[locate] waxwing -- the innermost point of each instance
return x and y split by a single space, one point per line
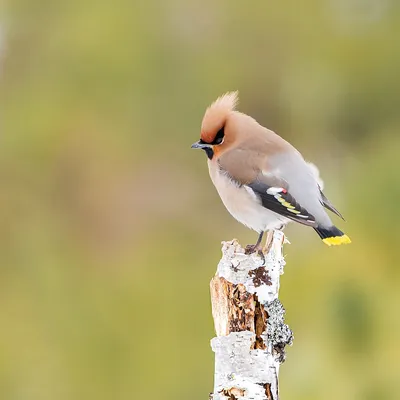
263 181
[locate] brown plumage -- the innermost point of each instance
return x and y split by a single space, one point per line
263 181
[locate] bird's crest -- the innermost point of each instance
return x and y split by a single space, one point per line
216 115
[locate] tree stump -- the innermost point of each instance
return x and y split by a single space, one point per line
249 322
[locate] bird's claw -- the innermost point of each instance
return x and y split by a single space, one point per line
261 254
253 248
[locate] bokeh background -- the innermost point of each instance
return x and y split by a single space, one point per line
110 229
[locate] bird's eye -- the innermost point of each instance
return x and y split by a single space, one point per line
219 138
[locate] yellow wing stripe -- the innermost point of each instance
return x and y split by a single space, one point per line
289 206
285 203
337 240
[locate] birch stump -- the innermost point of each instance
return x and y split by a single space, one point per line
249 322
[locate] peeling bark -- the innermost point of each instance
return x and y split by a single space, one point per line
249 323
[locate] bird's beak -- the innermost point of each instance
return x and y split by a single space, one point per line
200 145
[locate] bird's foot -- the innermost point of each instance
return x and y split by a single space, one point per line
262 256
255 248
252 248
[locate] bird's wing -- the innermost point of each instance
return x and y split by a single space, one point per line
327 204
245 169
279 200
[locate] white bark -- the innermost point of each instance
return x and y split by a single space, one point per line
248 318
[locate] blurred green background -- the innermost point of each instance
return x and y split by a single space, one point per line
110 228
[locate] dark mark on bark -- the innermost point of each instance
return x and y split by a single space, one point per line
242 312
260 324
234 268
233 393
268 392
260 276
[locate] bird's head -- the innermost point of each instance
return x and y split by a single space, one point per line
213 133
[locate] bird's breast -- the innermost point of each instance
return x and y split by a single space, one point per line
242 203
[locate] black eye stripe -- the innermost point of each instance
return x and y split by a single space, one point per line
219 136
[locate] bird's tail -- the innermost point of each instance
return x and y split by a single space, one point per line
332 236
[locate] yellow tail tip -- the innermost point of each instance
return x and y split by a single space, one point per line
337 240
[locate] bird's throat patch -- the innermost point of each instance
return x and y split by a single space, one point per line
209 151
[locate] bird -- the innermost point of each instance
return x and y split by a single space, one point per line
263 181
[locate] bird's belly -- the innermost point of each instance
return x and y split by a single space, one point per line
245 206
